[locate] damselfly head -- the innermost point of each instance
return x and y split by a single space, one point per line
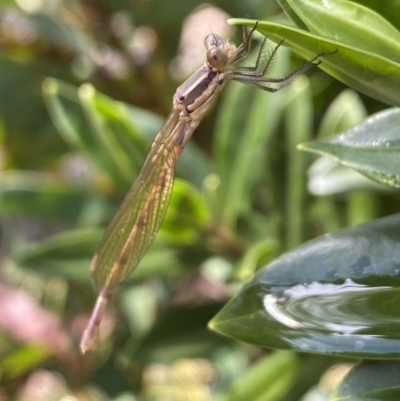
218 51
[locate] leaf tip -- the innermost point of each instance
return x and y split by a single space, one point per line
302 146
86 91
241 21
309 147
50 86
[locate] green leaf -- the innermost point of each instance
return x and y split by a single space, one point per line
390 10
23 360
337 294
267 380
187 215
140 304
86 125
60 34
69 254
350 24
299 113
104 118
369 73
372 148
370 380
242 133
42 196
23 114
344 112
257 254
116 135
125 133
179 333
326 177
292 15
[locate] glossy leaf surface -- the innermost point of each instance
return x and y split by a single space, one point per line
350 23
325 176
337 294
291 13
372 148
370 380
390 10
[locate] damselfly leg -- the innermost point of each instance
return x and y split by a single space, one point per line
253 76
244 48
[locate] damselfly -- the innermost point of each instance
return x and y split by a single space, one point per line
138 220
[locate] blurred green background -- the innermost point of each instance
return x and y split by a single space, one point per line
84 86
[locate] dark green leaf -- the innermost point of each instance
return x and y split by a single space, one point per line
344 112
370 380
42 196
292 15
258 254
117 136
267 380
84 127
23 360
298 127
325 177
242 135
372 148
69 254
60 34
181 332
187 215
121 140
389 10
337 294
350 24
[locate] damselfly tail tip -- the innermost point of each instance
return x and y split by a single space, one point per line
89 339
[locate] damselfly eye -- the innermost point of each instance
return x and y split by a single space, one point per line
217 58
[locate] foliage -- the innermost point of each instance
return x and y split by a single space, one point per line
240 200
